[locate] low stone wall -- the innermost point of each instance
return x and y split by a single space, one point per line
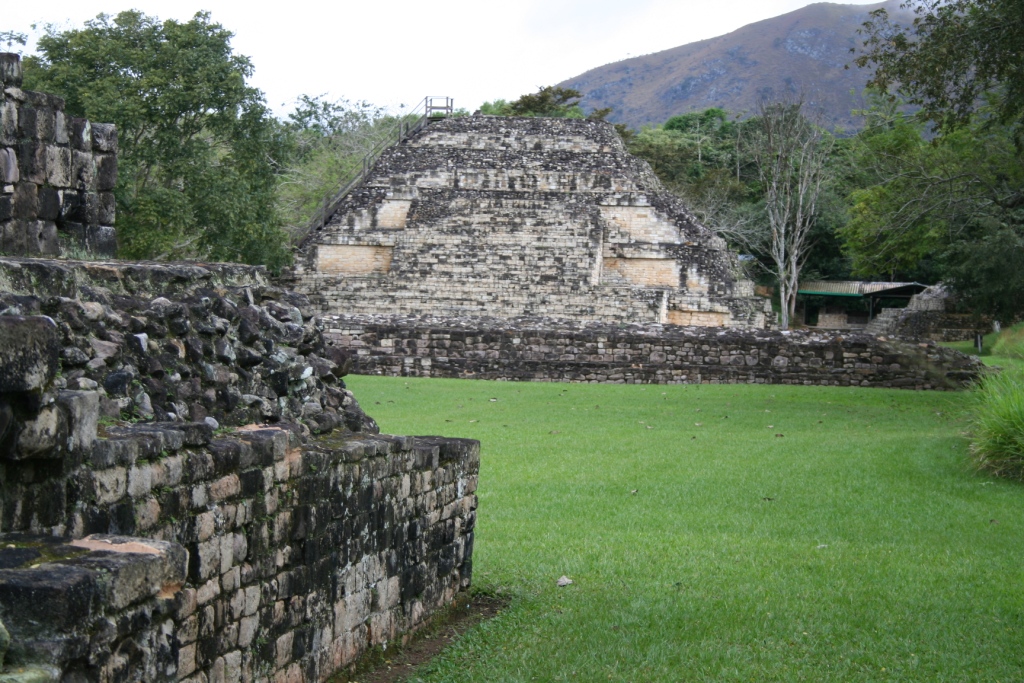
277 560
57 174
554 350
188 491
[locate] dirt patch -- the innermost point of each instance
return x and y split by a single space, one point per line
399 664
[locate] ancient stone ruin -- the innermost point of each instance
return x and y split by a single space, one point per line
188 490
533 217
57 174
562 351
539 249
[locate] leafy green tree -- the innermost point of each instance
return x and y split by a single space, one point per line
954 53
709 159
199 150
328 140
549 101
949 208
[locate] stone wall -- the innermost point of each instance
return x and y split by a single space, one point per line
57 174
554 350
529 217
189 492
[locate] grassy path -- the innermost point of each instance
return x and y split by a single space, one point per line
775 533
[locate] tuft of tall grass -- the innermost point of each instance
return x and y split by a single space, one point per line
998 425
1010 342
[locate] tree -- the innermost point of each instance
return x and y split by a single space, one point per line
199 150
328 141
955 52
718 178
791 155
548 101
950 208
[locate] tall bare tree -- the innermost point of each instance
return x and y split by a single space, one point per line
791 155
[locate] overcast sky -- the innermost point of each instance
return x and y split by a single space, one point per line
393 52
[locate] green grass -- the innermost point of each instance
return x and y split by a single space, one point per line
1004 349
859 546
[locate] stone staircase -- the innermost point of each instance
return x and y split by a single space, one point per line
885 322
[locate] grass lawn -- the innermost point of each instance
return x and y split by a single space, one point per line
989 355
704 546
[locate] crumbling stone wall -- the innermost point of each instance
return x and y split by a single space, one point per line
478 216
555 350
57 174
189 492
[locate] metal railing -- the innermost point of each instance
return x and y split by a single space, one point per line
430 109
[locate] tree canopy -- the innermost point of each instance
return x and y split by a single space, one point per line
955 53
199 150
549 101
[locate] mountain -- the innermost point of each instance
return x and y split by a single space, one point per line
802 52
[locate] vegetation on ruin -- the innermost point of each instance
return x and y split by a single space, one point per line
328 140
726 533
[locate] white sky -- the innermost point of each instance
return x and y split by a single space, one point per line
392 52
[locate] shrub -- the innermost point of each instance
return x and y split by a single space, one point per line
998 426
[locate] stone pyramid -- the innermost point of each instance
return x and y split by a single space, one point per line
522 217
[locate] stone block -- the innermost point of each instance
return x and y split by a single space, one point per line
135 568
9 172
207 559
60 128
110 485
81 135
83 174
106 172
65 594
140 480
25 204
101 240
82 409
186 660
44 128
247 629
32 162
58 166
111 452
104 137
10 69
8 122
48 204
29 353
40 436
107 211
208 591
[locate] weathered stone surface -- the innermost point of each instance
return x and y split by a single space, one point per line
10 69
278 527
557 350
29 353
539 217
56 176
294 539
